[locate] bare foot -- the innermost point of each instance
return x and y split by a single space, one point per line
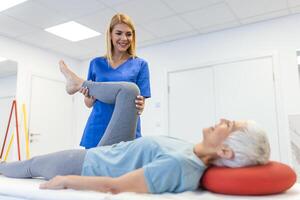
74 83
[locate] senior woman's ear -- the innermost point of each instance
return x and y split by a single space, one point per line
225 152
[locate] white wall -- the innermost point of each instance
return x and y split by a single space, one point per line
31 61
280 36
8 86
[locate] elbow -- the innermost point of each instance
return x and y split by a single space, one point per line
114 191
116 187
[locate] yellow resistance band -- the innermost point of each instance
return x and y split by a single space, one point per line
26 131
9 146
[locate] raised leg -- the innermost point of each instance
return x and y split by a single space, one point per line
122 126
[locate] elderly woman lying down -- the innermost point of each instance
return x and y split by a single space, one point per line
145 165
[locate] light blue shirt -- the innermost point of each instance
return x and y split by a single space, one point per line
169 164
133 70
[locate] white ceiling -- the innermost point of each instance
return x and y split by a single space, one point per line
157 21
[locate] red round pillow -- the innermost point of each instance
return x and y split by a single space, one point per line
272 178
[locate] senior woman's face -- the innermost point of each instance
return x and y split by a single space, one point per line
215 135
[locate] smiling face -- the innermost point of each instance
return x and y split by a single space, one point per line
214 136
121 37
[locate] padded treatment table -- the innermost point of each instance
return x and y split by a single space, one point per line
20 189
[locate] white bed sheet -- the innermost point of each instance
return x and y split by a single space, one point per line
20 189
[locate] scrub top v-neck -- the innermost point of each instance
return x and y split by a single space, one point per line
132 70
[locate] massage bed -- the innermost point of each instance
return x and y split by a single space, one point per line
20 189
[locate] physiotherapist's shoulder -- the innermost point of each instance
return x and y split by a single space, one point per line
98 60
97 63
141 61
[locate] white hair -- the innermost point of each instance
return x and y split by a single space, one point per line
250 146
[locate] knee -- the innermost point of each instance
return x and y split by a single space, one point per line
131 89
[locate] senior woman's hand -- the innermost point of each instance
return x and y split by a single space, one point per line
140 104
58 182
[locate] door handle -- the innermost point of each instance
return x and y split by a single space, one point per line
34 134
33 140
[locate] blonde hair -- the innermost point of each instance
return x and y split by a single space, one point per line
120 18
250 146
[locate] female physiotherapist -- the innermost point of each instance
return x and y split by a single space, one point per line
119 64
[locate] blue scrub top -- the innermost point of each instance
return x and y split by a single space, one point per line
133 70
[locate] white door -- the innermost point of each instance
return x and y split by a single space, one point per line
191 103
245 90
50 122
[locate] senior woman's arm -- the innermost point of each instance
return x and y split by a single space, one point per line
130 182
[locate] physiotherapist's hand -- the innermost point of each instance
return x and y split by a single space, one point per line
58 182
140 104
85 93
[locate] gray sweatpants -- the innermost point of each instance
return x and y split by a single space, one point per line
121 127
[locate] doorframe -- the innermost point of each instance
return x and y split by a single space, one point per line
284 145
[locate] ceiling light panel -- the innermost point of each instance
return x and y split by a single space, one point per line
72 31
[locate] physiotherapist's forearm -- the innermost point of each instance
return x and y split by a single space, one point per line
89 101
